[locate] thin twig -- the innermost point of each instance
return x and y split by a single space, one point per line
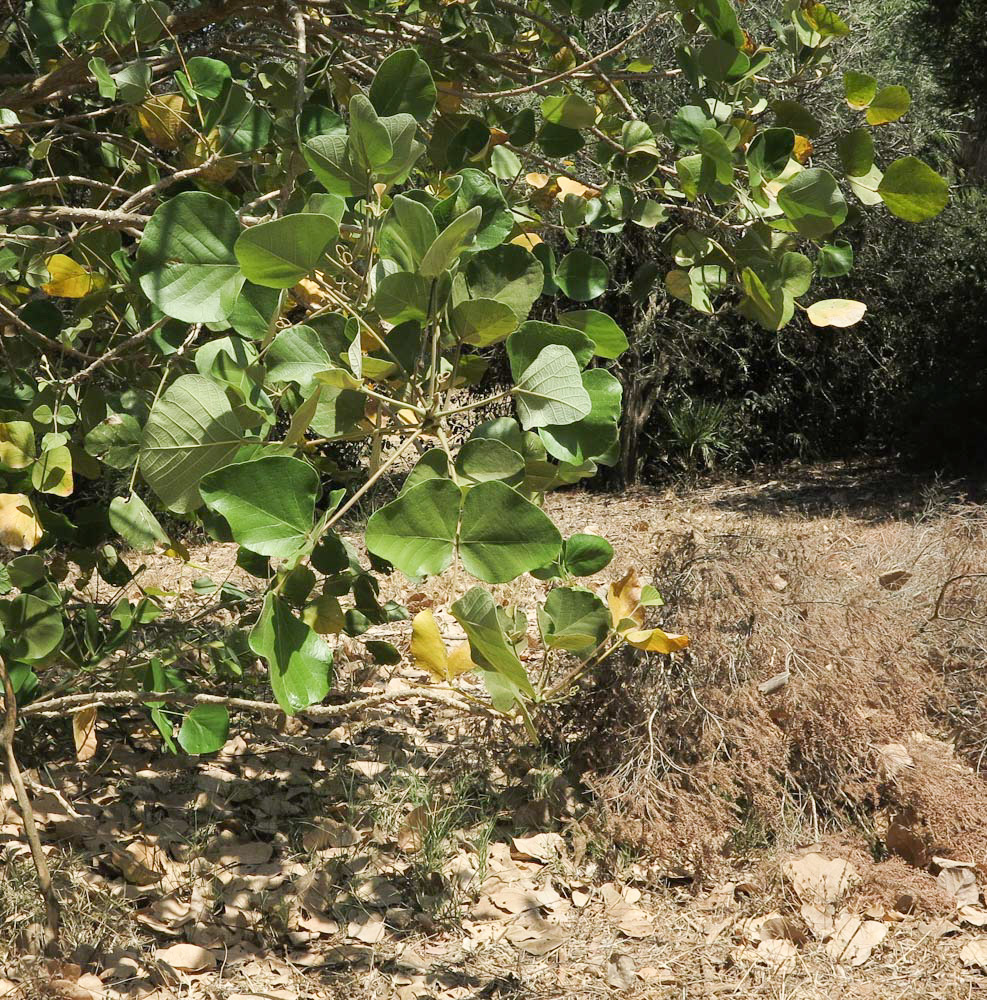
52 909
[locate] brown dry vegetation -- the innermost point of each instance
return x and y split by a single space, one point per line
675 792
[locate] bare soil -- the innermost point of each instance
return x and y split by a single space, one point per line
794 808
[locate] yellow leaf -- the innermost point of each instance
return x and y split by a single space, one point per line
460 661
527 240
199 150
68 279
427 646
537 180
16 444
624 599
654 640
568 186
803 149
20 528
52 473
448 100
163 119
84 733
836 312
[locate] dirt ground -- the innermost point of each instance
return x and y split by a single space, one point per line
414 853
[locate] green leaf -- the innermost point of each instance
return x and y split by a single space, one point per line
550 391
338 411
581 276
132 520
205 729
913 191
770 151
791 114
720 18
835 259
450 243
115 441
856 151
859 89
101 73
825 21
241 125
482 322
90 18
568 110
417 531
402 296
714 148
205 77
298 660
268 503
557 140
813 203
527 343
574 619
472 189
503 535
609 341
133 82
255 311
509 274
408 231
485 459
279 253
721 61
584 555
403 83
889 105
434 464
594 437
33 628
297 354
490 650
16 444
190 432
369 142
185 261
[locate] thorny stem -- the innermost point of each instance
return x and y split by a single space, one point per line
52 907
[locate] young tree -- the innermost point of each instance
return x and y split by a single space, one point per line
235 232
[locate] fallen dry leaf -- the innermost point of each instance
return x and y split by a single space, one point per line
621 973
974 954
186 957
820 880
84 734
854 940
778 954
538 847
961 884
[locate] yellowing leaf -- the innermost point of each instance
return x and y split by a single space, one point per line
460 661
84 733
803 149
325 615
498 137
527 240
16 444
654 640
69 280
429 650
201 149
537 180
52 473
624 599
448 99
836 312
427 646
20 528
568 186
163 119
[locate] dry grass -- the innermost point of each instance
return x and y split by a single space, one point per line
707 764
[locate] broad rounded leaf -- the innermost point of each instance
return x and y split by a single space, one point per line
609 341
509 274
836 312
859 89
584 555
595 436
482 322
770 151
450 243
268 503
205 729
20 526
568 110
402 296
278 254
532 337
185 260
33 627
403 83
582 276
299 661
485 459
835 259
131 519
813 203
888 105
551 391
575 619
417 531
190 432
503 535
913 191
856 151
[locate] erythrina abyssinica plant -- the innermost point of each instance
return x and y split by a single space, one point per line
232 233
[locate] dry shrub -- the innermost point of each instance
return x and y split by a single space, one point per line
699 761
